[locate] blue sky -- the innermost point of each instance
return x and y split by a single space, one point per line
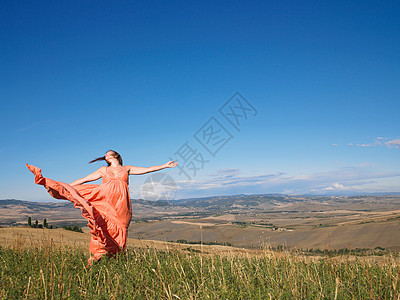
80 77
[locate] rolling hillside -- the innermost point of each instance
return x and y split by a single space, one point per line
250 221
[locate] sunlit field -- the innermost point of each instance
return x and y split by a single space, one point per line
47 271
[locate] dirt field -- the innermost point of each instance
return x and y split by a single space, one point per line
368 235
245 222
22 237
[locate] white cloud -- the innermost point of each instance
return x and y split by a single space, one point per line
344 179
380 141
336 186
393 143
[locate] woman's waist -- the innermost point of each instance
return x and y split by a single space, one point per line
115 180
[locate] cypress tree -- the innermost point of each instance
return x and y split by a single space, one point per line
29 221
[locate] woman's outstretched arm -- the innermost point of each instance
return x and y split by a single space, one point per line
91 177
141 170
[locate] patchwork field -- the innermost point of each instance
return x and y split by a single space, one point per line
244 221
369 235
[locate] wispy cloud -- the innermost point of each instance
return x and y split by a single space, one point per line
344 179
380 142
227 178
226 173
393 143
32 125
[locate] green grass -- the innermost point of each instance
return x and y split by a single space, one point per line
49 273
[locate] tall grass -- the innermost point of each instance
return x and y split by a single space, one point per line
50 272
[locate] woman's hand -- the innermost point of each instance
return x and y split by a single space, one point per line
171 164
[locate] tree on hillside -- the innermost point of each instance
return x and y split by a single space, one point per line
73 228
29 221
36 224
45 225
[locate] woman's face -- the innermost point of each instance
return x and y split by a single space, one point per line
109 155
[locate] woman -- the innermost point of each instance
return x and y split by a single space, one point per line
107 206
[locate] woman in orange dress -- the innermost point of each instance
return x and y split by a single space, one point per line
106 206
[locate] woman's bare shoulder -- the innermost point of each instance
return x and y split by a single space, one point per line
102 169
128 168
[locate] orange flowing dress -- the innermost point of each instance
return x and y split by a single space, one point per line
106 206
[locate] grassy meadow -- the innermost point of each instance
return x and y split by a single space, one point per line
46 270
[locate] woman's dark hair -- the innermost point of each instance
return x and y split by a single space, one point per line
115 154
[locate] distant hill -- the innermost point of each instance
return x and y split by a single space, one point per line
15 212
34 205
243 220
